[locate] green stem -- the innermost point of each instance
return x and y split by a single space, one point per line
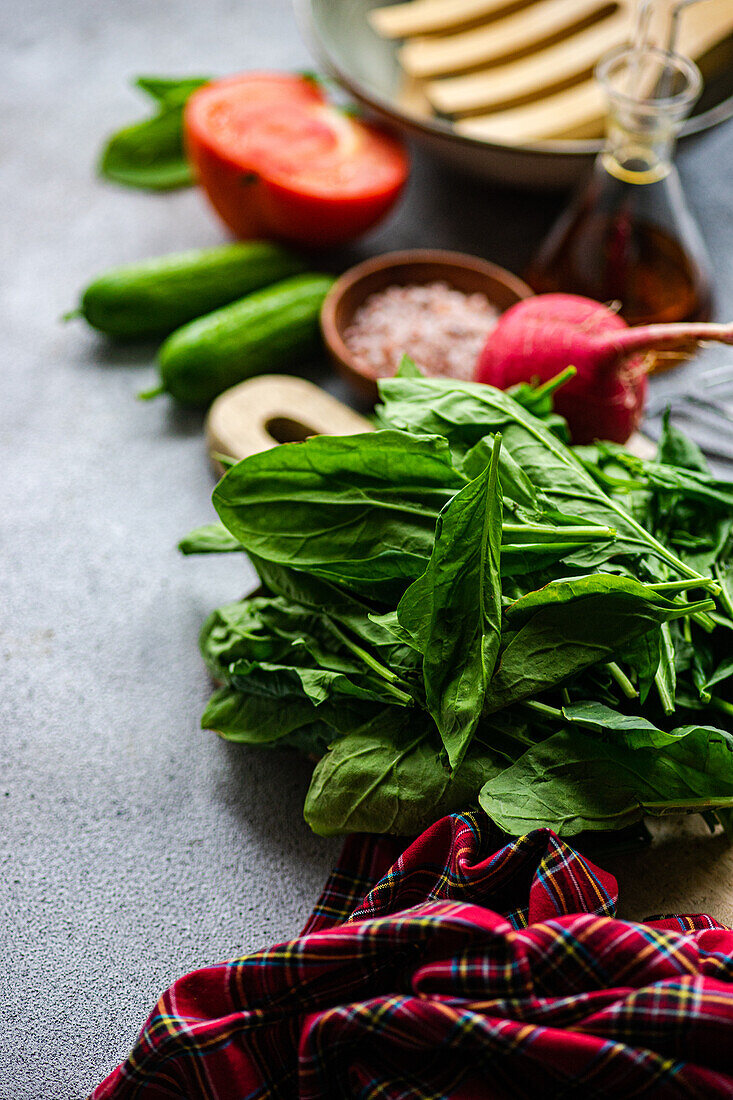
148 395
224 460
563 533
673 586
542 709
553 384
401 696
622 680
703 619
688 805
723 594
390 678
564 455
720 620
722 705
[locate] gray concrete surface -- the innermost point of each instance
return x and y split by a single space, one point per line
133 846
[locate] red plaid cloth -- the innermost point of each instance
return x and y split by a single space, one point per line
454 971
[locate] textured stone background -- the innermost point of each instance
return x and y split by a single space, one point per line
133 846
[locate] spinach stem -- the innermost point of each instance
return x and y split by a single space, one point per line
543 709
723 594
553 384
563 533
673 586
622 680
390 678
702 618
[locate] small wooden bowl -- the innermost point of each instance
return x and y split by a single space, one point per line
414 267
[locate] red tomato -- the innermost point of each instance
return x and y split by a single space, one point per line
277 160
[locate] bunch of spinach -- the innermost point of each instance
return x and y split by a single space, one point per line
461 608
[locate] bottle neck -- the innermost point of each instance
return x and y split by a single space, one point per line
650 93
639 148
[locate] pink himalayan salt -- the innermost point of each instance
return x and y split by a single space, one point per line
441 329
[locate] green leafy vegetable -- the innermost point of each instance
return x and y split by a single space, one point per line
254 719
465 412
574 781
149 154
212 538
675 449
388 777
568 626
359 510
453 611
460 608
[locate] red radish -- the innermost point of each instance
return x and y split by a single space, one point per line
539 337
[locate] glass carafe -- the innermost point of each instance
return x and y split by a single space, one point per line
629 237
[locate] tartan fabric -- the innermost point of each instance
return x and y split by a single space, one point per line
452 969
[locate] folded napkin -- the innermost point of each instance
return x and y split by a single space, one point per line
452 970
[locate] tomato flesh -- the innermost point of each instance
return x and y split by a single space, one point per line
276 159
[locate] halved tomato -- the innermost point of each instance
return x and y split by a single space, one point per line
276 159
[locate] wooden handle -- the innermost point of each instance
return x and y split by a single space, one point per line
272 409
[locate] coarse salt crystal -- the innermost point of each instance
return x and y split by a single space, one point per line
442 329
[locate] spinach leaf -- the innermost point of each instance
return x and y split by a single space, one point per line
319 684
171 91
635 731
723 671
256 719
149 154
570 625
453 611
463 412
574 781
388 777
262 722
267 631
212 538
356 510
571 590
675 449
666 675
692 484
266 628
643 655
232 632
342 608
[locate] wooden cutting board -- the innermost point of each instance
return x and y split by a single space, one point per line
687 869
273 409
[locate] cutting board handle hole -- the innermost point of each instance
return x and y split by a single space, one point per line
285 430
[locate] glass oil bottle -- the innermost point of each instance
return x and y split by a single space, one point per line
629 236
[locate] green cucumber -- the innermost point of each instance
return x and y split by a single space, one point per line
266 331
157 296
